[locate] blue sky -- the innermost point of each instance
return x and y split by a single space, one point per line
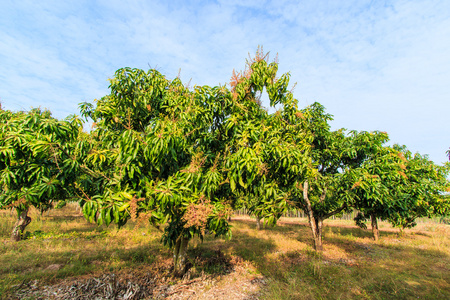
375 65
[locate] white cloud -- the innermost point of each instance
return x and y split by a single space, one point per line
373 65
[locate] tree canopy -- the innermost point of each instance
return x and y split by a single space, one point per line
183 158
36 161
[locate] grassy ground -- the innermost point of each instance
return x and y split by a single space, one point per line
62 246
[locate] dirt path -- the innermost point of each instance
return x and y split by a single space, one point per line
153 282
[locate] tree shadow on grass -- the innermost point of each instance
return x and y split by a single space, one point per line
381 270
352 265
64 219
70 268
282 227
219 257
352 242
357 232
77 258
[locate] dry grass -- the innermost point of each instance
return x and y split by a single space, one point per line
353 266
274 263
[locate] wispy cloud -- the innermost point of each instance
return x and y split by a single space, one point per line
373 64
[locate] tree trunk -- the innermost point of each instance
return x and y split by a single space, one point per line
314 222
179 257
21 223
316 229
375 231
258 223
318 240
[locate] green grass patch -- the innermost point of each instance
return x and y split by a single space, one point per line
352 266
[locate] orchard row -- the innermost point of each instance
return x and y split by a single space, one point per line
184 158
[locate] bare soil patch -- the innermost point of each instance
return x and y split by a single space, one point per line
154 282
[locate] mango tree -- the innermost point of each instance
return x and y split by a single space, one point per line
327 189
422 191
396 186
379 182
35 152
161 150
182 157
267 150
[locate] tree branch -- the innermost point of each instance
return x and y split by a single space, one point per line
324 194
305 196
336 211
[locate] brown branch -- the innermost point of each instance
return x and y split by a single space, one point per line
324 194
334 212
85 195
305 197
